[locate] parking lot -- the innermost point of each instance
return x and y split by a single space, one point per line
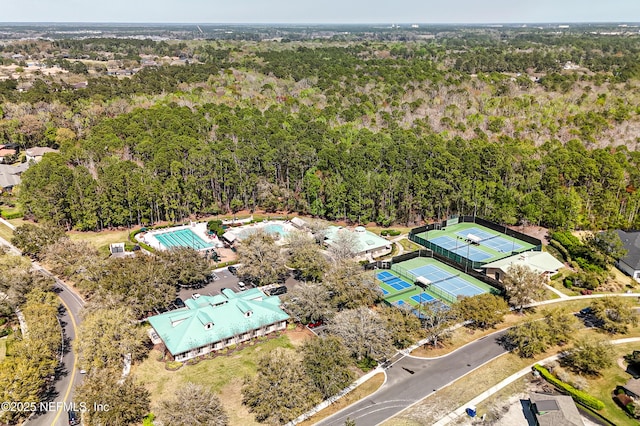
225 280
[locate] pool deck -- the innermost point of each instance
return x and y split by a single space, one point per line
241 232
200 229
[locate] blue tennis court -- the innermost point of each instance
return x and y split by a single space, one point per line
459 287
494 241
384 276
384 292
431 272
461 248
182 238
392 281
483 235
400 303
422 298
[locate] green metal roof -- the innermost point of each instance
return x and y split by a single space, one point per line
209 319
539 261
365 240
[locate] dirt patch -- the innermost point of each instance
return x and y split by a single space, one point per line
299 335
538 232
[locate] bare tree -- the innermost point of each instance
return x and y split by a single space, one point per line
308 303
262 260
344 245
363 332
522 285
349 286
192 405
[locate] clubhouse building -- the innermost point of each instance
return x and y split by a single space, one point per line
211 323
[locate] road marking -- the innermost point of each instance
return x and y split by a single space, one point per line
75 361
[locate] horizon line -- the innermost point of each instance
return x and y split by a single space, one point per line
321 23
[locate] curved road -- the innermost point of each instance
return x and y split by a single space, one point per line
67 377
411 379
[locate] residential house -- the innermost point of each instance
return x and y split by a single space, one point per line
6 151
10 176
632 387
630 263
539 261
35 154
211 323
555 410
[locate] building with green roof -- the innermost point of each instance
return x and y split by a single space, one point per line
366 242
211 323
540 262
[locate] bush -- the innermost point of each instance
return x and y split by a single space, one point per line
568 282
556 276
14 215
563 251
580 396
173 365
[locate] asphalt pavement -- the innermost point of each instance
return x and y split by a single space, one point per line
68 375
412 379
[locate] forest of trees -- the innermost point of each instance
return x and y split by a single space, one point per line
382 132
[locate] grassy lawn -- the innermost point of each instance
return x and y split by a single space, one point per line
101 240
5 232
223 375
409 245
464 335
362 391
3 348
603 387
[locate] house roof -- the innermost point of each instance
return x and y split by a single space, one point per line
555 410
365 240
298 222
631 242
39 151
6 151
10 175
539 261
209 319
633 385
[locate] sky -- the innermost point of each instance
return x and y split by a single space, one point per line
320 11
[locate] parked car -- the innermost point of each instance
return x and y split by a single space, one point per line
242 285
276 291
315 324
195 295
179 303
233 269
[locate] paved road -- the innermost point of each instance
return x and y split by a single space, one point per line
412 379
67 376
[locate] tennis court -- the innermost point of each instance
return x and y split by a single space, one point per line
494 241
445 280
423 298
392 281
182 238
461 248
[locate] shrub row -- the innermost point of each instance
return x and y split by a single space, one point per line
14 215
563 251
390 232
580 396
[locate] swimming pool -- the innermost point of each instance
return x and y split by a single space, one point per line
182 238
276 228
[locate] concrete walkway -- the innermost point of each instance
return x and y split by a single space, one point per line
556 291
461 411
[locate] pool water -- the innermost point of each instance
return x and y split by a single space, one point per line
182 238
276 228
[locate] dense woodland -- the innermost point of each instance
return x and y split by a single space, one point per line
369 131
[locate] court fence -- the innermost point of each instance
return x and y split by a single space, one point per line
467 263
442 293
